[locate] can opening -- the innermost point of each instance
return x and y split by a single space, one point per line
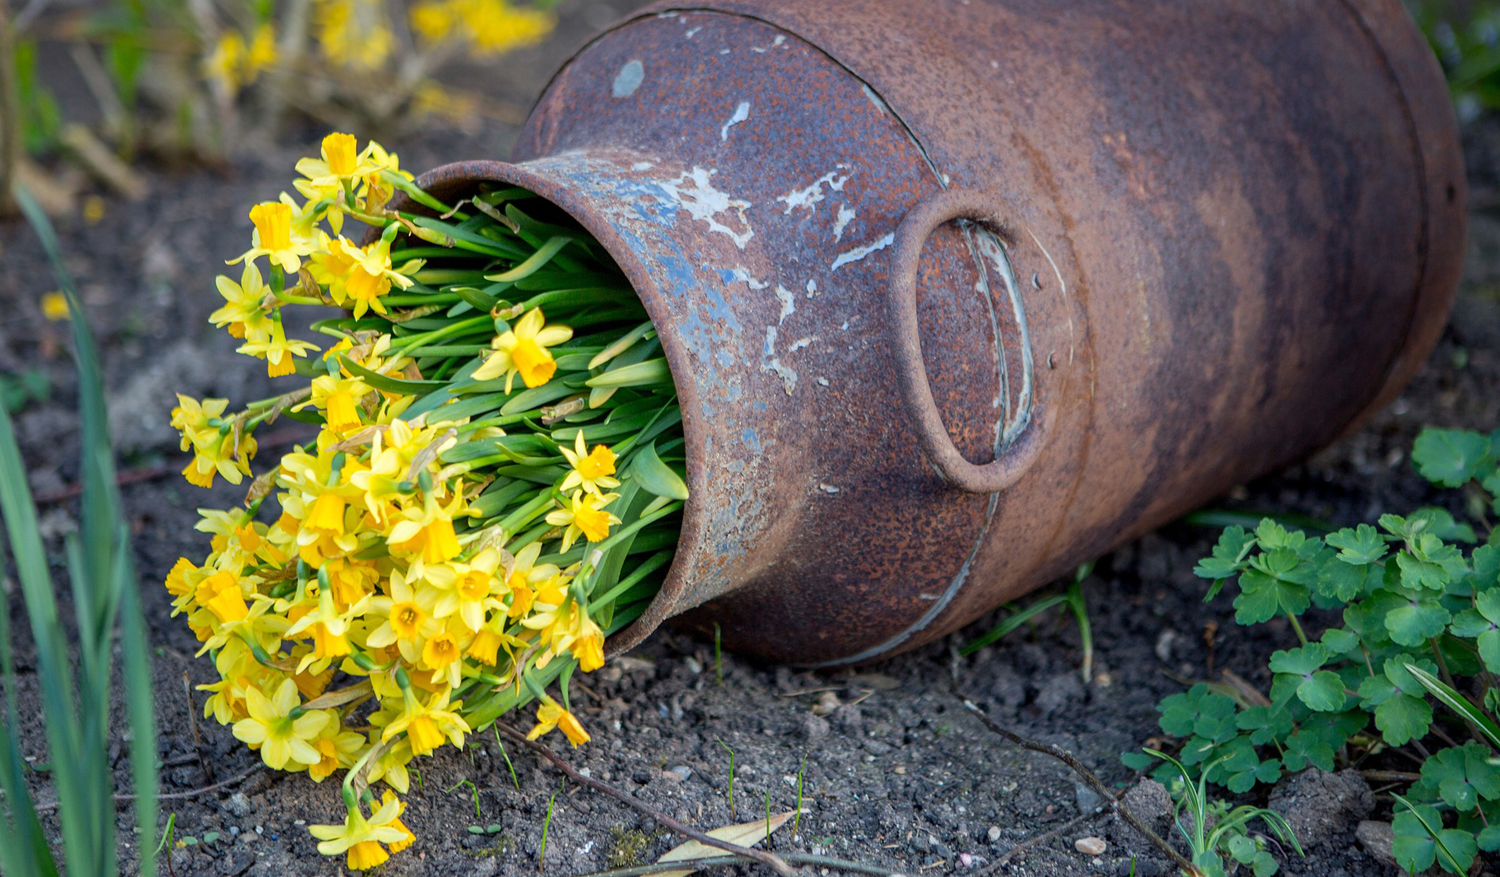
553 205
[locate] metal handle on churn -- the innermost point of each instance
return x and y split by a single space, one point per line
906 343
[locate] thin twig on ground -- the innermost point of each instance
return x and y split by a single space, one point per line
1111 802
1390 776
204 764
162 470
770 860
171 796
721 861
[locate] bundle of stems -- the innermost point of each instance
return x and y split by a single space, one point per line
495 486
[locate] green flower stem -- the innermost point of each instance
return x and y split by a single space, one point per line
448 331
527 513
288 298
448 277
416 194
1297 627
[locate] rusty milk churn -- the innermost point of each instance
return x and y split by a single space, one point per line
1209 236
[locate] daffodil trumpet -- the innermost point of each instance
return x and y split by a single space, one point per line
494 488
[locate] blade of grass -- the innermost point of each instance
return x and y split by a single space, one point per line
1455 701
103 587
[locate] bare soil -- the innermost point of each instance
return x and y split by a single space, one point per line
894 770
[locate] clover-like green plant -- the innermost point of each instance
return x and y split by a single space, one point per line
1397 646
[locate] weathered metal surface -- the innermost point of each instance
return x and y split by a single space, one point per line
1224 231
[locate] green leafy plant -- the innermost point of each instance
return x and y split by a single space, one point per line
76 697
1412 620
1216 833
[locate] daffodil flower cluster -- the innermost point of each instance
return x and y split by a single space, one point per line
364 36
490 491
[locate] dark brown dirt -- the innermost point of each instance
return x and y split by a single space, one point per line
897 773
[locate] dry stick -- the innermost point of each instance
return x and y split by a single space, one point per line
173 796
770 860
719 861
1089 777
203 763
288 436
1390 776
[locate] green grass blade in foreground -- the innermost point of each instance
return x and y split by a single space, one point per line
104 590
20 519
1458 703
25 851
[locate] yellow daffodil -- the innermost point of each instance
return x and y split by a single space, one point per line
261 54
329 265
340 400
442 655
273 237
523 351
350 580
427 531
246 305
212 441
329 629
278 351
467 588
386 797
524 577
329 180
427 725
337 749
588 649
592 470
220 594
224 65
55 306
273 730
433 21
496 26
585 516
486 645
338 164
549 715
177 583
561 627
370 276
408 619
353 33
361 838
390 766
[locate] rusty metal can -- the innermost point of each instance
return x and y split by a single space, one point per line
959 294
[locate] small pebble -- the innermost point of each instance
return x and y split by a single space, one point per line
1090 846
966 860
994 833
